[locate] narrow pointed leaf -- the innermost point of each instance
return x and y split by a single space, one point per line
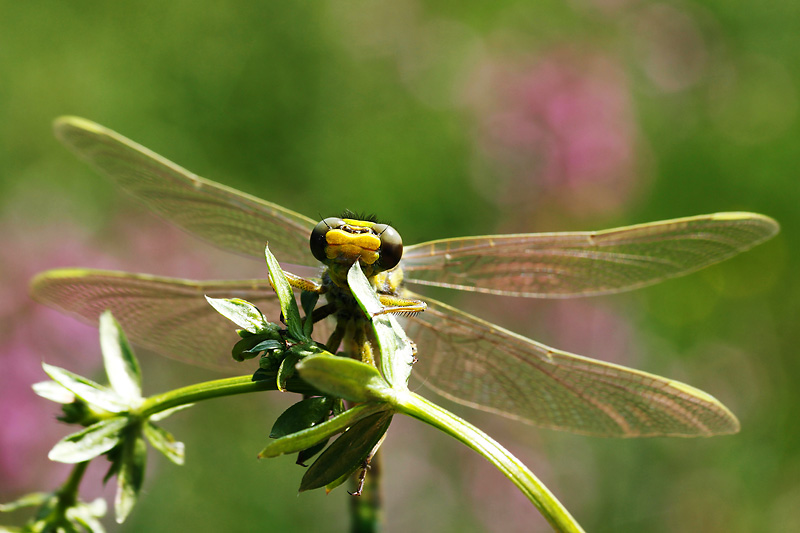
122 368
307 438
348 452
363 291
161 415
87 522
341 480
397 351
287 369
163 441
242 313
50 390
34 499
87 390
304 455
309 301
89 442
344 378
252 346
294 384
86 515
130 476
304 414
286 296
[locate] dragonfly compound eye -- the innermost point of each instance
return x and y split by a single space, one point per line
318 242
391 247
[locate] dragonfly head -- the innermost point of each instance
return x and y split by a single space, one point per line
340 242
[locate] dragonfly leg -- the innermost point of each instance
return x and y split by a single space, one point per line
371 464
364 347
305 284
395 304
323 312
336 337
362 477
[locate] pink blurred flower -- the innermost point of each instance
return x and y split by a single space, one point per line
560 125
32 333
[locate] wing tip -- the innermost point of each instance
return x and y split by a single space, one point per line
769 224
65 124
39 283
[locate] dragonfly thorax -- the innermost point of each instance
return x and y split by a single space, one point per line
339 242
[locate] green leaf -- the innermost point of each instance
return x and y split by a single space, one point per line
121 365
130 476
251 346
163 441
348 452
286 296
266 346
304 414
269 363
242 313
86 515
340 480
78 412
89 442
343 377
34 499
287 369
294 383
306 438
396 349
161 415
363 291
50 390
87 390
309 301
304 455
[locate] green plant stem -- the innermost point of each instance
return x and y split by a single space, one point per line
202 391
68 492
418 407
366 512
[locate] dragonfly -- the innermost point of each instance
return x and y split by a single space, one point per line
459 356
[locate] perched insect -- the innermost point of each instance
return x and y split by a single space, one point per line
460 356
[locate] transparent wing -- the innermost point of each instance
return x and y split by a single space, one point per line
559 265
227 218
481 365
166 315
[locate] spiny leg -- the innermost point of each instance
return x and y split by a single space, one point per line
396 304
336 337
305 284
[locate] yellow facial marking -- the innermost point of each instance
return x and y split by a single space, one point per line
365 241
360 223
367 257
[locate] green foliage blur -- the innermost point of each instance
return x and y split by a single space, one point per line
445 119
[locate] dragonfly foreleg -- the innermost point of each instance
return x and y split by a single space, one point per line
336 337
305 284
396 304
362 478
371 462
364 347
323 312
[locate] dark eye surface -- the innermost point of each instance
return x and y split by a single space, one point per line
391 246
317 241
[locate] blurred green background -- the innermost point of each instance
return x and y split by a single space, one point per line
447 119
